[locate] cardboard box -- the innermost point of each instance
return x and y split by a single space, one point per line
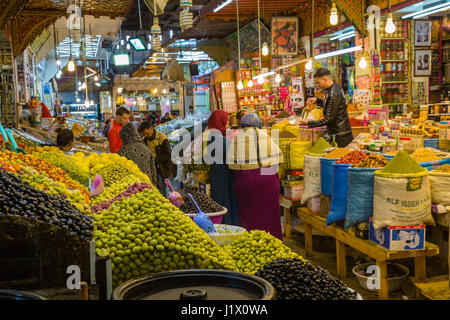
287 183
313 205
399 238
294 172
294 193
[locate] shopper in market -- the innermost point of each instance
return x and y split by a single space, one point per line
239 116
106 127
122 117
255 157
334 107
166 118
159 145
25 117
221 177
133 149
65 140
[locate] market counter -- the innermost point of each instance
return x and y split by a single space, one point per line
380 254
51 137
357 130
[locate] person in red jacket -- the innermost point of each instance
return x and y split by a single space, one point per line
122 117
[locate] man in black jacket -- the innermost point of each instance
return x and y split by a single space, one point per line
334 110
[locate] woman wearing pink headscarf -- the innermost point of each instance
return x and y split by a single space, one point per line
222 178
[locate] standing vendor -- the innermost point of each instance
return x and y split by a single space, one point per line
334 110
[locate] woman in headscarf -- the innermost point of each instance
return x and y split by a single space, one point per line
221 177
255 157
133 149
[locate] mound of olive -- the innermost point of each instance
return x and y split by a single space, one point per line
254 249
145 233
205 203
18 198
294 279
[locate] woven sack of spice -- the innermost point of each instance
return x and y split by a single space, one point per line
311 169
283 143
295 152
402 195
311 178
440 185
360 196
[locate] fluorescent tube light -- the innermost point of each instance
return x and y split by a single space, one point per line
337 53
121 59
264 74
341 35
432 12
413 14
347 36
137 44
224 4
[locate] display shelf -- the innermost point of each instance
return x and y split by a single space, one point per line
394 60
394 38
394 82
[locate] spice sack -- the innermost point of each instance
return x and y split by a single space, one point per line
311 178
401 200
440 187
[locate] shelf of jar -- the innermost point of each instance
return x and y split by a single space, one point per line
388 60
394 82
393 38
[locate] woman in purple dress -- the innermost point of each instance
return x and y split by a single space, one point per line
255 158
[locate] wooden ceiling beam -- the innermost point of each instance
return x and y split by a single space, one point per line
10 11
58 13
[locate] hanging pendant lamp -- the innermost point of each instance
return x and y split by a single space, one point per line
240 85
186 17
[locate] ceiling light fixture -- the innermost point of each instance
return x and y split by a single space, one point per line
362 63
222 5
309 65
424 12
334 15
390 26
260 79
278 78
337 52
265 49
338 37
432 12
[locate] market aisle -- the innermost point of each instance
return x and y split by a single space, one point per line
327 260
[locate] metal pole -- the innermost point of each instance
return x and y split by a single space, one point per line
140 19
259 38
239 38
312 31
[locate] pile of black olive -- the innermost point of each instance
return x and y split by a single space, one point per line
294 279
205 203
18 198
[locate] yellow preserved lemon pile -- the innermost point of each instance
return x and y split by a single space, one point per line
145 234
61 160
255 249
425 155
